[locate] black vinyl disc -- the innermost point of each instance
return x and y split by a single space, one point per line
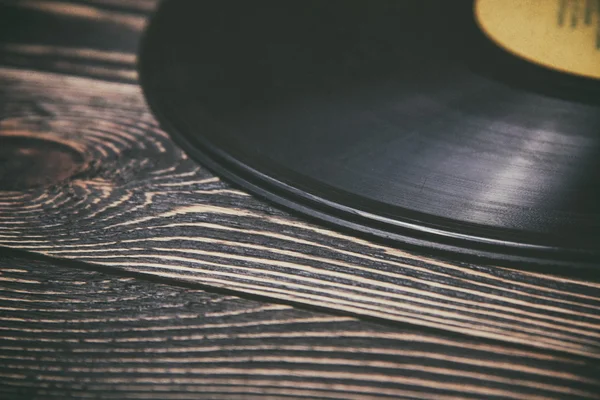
396 118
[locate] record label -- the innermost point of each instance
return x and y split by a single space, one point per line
559 34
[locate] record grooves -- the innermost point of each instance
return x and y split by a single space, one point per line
375 116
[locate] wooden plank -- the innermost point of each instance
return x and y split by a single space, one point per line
95 38
69 333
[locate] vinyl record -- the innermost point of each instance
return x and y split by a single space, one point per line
417 121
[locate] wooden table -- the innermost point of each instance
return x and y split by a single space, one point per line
130 271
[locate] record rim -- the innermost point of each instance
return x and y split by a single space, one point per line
425 240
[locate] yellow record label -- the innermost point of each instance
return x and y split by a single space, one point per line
560 34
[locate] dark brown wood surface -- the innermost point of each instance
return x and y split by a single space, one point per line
68 333
87 175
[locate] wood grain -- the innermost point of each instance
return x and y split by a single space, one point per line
96 38
68 333
133 201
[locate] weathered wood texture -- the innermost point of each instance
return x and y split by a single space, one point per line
67 333
96 38
124 196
